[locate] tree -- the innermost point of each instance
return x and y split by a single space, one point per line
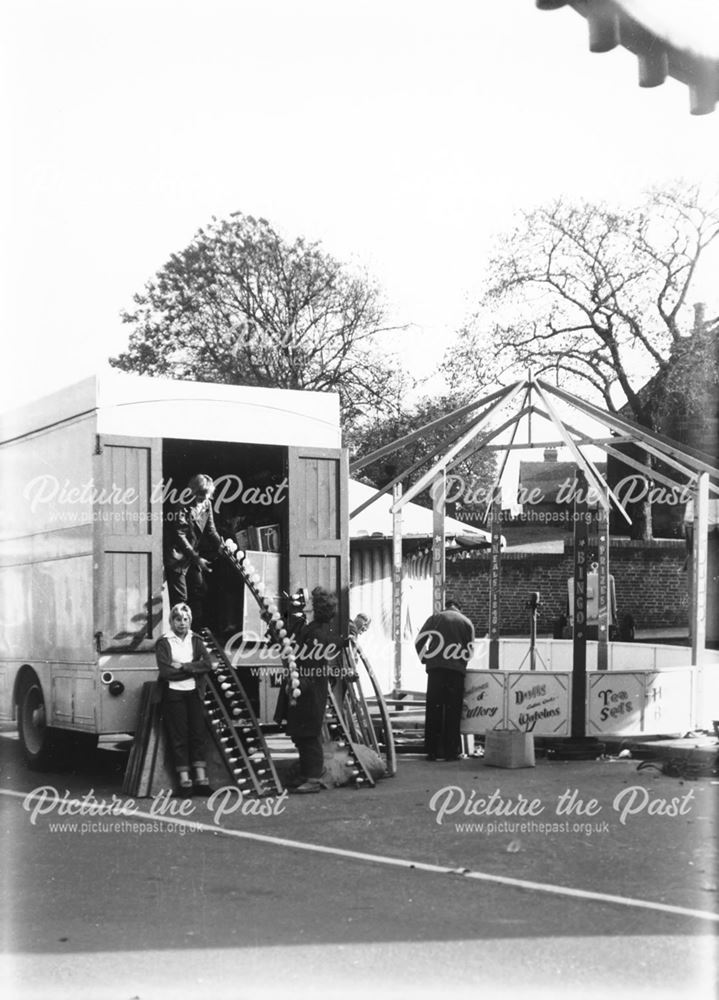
241 305
685 399
598 296
472 478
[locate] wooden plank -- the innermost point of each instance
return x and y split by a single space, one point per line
136 759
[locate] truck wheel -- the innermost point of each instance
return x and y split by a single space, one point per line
43 746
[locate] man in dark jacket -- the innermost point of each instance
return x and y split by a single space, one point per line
317 647
444 645
191 541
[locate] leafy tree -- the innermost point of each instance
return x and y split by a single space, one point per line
600 297
242 305
685 399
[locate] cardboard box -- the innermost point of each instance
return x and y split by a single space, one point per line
508 748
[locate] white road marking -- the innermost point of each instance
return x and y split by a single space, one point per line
381 859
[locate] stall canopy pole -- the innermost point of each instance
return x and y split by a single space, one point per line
579 657
495 581
605 444
425 480
604 588
699 587
405 474
397 588
483 441
434 425
439 494
657 444
590 472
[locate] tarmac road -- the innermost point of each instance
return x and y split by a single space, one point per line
134 907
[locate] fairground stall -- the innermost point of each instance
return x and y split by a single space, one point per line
581 687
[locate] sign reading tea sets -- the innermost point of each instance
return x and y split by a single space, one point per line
535 702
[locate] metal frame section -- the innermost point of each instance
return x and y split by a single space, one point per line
405 473
689 463
666 447
584 463
424 480
387 449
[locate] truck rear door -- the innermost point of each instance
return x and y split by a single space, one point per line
128 543
318 531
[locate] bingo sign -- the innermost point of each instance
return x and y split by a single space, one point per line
615 703
538 703
483 705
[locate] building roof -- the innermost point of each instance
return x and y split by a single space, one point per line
676 38
547 477
375 521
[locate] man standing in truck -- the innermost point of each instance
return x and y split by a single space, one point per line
191 542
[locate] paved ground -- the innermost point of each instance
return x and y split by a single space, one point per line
386 891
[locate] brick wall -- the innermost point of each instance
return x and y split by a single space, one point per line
650 580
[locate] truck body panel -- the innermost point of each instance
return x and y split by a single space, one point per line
89 474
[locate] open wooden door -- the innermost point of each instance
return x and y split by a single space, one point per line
318 523
128 543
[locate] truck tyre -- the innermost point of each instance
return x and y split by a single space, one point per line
43 746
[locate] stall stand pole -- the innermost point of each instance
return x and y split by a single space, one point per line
579 746
439 494
495 581
579 649
699 588
397 587
603 583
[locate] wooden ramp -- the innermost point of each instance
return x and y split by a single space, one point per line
149 768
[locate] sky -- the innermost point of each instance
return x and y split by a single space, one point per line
402 135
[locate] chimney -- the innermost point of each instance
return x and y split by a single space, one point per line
550 454
699 316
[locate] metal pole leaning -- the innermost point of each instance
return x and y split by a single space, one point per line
423 482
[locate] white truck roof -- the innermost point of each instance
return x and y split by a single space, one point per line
141 406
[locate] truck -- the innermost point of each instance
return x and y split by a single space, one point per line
91 476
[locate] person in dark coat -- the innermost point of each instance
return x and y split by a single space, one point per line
444 645
317 647
191 541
